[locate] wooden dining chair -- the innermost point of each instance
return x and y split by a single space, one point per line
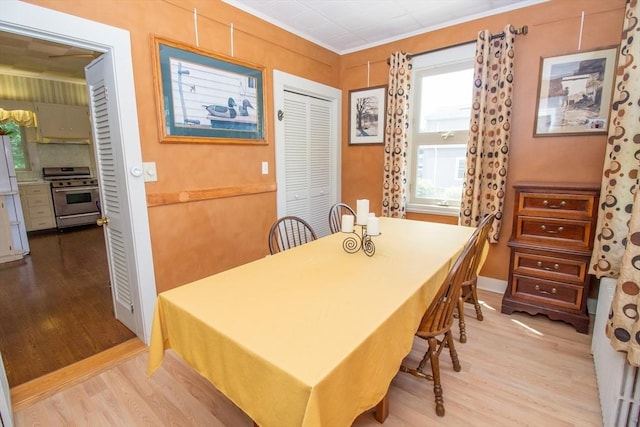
288 232
469 291
335 216
435 326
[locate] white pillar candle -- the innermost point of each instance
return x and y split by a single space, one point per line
373 226
362 211
347 224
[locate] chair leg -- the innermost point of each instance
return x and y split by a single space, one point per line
435 371
461 323
476 303
453 353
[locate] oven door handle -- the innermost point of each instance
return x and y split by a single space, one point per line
67 190
81 215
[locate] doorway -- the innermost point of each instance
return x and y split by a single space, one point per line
308 158
26 19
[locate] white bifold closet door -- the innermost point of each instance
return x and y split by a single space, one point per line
309 159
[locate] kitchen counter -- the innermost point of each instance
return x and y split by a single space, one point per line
33 182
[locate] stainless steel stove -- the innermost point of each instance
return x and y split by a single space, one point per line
75 194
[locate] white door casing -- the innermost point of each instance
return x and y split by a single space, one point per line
35 21
6 413
307 127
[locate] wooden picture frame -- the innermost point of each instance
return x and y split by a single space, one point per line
367 109
574 93
208 98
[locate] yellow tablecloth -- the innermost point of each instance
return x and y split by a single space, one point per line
311 336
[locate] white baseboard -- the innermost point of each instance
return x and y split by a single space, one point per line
492 285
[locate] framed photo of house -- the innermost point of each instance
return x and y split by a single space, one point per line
367 115
574 93
204 97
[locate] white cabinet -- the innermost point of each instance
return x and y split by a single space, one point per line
13 236
37 206
10 250
63 122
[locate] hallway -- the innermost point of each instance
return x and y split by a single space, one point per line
56 307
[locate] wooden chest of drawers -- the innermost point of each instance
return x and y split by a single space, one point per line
551 243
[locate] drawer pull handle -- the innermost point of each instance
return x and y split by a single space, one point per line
560 206
558 230
542 266
553 290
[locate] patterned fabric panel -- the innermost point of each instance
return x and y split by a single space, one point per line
489 133
396 139
617 251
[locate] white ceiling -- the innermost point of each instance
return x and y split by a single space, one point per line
346 26
21 55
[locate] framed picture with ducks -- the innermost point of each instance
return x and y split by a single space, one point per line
207 98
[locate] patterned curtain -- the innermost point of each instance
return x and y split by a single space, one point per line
396 139
617 245
489 135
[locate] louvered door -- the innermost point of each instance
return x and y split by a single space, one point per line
309 162
118 230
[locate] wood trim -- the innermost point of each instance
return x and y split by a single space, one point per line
35 390
160 199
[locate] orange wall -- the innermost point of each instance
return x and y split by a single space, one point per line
192 240
554 29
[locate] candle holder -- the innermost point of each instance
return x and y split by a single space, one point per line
353 244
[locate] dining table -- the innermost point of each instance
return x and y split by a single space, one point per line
314 335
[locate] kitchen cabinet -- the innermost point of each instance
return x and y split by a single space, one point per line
551 244
9 251
63 122
37 206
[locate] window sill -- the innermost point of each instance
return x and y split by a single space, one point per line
433 209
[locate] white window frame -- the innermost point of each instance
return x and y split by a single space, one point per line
456 174
443 60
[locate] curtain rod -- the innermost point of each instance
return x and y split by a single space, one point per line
522 30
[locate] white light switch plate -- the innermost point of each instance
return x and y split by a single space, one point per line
265 168
150 174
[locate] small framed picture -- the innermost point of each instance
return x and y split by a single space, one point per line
367 109
574 93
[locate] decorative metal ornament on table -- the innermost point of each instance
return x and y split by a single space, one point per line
353 244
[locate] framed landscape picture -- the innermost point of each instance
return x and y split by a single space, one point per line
207 98
574 93
367 115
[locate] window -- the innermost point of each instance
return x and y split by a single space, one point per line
18 141
440 128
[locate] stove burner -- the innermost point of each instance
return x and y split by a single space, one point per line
74 182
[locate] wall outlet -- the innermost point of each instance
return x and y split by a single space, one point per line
265 168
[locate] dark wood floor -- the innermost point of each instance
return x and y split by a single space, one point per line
56 307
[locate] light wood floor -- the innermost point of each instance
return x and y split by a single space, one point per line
517 370
56 307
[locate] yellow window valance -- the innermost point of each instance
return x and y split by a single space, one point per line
21 117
